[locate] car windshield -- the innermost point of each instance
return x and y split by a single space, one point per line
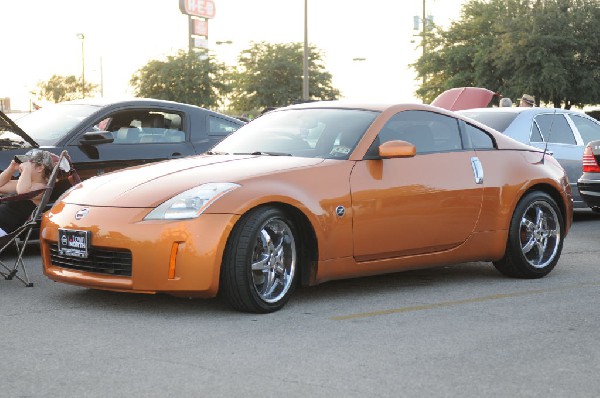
51 123
329 133
497 120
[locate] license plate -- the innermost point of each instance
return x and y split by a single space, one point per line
73 243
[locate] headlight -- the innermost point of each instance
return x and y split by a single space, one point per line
190 203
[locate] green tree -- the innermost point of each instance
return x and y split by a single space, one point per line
547 48
187 77
64 88
271 75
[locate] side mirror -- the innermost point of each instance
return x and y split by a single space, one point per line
96 138
397 149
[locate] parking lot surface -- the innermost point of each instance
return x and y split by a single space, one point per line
457 331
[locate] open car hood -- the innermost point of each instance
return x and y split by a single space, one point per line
457 99
7 124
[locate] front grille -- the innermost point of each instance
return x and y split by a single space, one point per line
99 261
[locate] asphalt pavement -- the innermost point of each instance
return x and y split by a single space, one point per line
460 331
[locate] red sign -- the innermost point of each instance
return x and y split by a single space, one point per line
198 8
199 27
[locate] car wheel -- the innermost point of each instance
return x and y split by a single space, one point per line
596 209
260 262
535 238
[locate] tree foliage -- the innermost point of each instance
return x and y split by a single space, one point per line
547 48
271 75
64 88
187 77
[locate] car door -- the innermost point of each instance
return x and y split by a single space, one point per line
140 135
553 132
423 204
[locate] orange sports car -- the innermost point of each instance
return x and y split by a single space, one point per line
311 193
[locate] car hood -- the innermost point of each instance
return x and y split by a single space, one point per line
461 98
7 124
148 186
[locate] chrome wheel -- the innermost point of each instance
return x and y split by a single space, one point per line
273 260
535 237
539 234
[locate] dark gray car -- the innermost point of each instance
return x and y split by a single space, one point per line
103 136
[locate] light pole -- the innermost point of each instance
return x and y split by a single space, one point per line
101 78
81 37
305 92
423 21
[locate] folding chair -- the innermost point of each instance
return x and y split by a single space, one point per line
20 237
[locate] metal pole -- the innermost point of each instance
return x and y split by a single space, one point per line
305 92
101 78
424 41
81 36
190 31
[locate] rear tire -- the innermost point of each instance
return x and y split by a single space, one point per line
260 263
535 238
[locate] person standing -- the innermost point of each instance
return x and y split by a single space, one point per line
527 101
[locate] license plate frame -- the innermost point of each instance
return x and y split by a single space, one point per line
73 242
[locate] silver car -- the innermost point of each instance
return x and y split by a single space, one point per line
564 133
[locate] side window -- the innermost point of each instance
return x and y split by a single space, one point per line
478 138
536 135
160 128
554 128
144 127
589 130
427 131
220 127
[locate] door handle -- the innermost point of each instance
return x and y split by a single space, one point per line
477 170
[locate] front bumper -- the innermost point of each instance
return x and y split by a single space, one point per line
181 257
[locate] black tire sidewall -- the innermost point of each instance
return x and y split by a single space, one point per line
238 260
514 243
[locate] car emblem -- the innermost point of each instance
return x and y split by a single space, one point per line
82 213
340 211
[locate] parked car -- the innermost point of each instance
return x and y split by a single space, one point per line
103 136
589 182
311 193
562 133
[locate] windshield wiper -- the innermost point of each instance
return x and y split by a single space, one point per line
215 153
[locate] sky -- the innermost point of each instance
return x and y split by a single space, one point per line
40 39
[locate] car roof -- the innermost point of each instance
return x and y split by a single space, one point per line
142 102
521 110
123 101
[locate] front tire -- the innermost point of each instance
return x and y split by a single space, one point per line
259 269
535 238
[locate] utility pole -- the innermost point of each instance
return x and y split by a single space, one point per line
81 37
305 92
424 39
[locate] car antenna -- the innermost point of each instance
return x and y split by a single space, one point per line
549 135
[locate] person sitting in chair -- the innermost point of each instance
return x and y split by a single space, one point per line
35 168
